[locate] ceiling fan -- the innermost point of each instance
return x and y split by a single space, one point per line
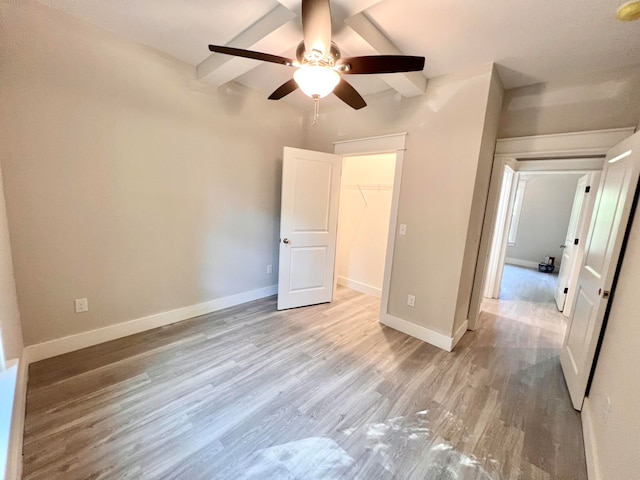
318 62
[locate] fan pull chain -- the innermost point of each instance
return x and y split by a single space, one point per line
316 109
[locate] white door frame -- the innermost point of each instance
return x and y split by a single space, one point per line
363 288
394 143
537 153
501 230
520 170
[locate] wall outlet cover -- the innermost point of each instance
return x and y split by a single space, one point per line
411 300
81 305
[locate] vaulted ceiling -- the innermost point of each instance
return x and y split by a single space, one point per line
531 41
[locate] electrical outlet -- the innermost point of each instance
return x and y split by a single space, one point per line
411 300
403 229
269 269
82 305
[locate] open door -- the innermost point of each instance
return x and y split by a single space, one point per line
308 227
603 247
573 246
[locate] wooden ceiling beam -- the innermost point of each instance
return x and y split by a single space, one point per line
407 84
219 69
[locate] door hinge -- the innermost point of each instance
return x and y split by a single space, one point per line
576 241
587 189
566 290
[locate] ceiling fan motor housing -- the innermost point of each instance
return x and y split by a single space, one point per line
315 57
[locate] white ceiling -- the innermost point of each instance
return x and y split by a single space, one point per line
532 41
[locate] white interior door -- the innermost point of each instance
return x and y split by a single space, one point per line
602 251
571 241
308 227
576 253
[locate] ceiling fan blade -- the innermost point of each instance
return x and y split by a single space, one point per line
381 64
345 92
316 26
239 52
284 90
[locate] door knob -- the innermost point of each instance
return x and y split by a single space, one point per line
285 240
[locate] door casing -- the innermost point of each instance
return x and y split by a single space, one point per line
537 153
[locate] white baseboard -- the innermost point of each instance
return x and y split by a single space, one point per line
360 287
521 263
590 447
459 333
14 453
59 346
417 331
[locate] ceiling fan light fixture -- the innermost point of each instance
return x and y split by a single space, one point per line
316 81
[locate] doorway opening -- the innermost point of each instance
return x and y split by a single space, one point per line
311 183
366 195
536 250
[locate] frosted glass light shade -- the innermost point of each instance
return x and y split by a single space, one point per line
314 80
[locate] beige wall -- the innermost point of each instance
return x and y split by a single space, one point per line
544 218
128 182
10 327
617 432
468 301
599 101
363 227
445 131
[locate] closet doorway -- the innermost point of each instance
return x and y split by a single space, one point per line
366 193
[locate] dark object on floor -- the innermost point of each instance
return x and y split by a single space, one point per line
546 267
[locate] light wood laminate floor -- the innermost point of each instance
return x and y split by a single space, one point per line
526 296
323 392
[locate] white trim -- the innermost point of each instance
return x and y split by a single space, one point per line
521 263
391 238
71 343
619 157
556 166
596 142
417 331
575 145
382 144
459 334
364 146
8 380
359 286
501 176
594 471
518 201
14 455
